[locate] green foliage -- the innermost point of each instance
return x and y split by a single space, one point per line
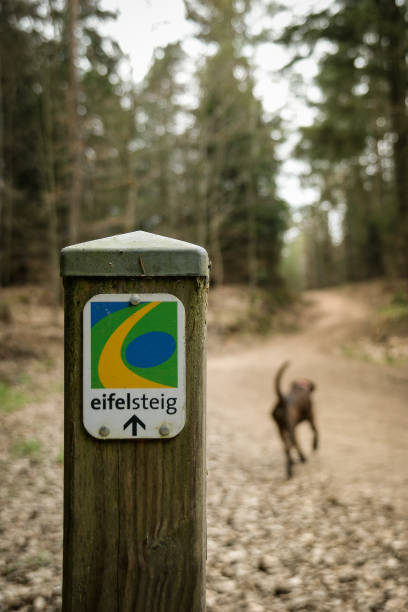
85 153
243 219
142 157
11 399
355 147
292 264
16 571
395 312
60 457
6 315
34 164
27 448
393 317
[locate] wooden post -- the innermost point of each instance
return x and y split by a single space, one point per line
134 509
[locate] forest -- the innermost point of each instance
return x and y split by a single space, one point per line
194 147
87 153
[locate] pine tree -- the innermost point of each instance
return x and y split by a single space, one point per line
357 146
242 217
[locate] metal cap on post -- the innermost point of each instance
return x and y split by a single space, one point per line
134 254
134 481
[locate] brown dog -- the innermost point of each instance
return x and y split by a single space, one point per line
290 410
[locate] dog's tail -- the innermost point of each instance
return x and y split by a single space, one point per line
278 379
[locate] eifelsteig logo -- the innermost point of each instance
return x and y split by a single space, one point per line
133 347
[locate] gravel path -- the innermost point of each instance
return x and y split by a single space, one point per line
332 538
335 536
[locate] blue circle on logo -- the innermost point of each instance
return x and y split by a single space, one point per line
150 350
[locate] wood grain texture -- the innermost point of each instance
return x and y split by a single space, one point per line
134 511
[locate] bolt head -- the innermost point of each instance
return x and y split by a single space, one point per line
164 430
135 299
104 431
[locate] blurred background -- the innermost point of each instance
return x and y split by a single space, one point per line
275 135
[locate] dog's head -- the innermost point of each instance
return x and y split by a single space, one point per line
305 384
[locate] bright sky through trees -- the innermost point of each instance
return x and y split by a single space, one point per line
144 25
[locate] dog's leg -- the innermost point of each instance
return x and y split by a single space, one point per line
286 445
295 443
289 463
314 428
289 460
315 434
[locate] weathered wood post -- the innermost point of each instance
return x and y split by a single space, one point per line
134 459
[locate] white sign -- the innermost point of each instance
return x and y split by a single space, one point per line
134 366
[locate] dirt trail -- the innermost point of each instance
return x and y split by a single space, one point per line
362 408
331 539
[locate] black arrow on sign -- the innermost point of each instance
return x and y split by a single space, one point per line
134 421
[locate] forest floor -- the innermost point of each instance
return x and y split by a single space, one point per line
332 538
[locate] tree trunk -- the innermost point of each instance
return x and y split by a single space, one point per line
74 130
132 187
7 193
202 178
2 182
217 268
47 165
251 198
393 28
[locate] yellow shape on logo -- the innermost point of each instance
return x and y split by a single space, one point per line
112 372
